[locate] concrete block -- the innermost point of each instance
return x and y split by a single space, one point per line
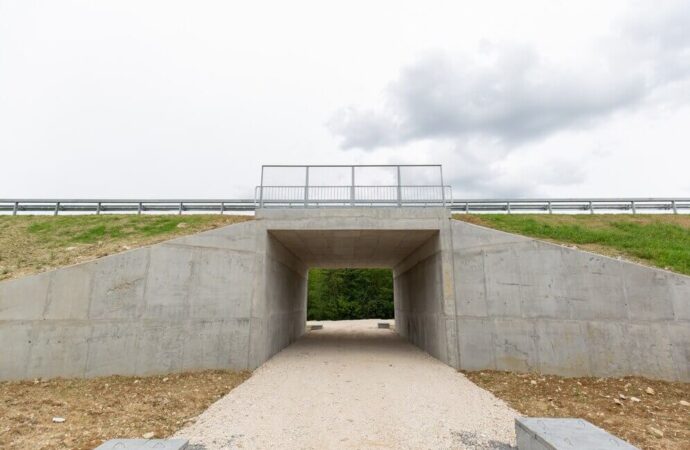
608 343
215 344
470 285
679 335
534 433
680 297
649 293
219 286
24 298
69 294
562 347
475 338
144 444
16 339
160 346
650 352
168 282
58 349
118 284
112 347
515 345
503 282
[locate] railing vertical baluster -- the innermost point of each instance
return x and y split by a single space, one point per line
306 188
352 186
399 189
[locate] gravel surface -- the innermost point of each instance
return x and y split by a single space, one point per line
354 386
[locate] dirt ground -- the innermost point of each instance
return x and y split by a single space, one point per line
622 406
98 409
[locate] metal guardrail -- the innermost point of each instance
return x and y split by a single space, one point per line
179 206
98 206
572 205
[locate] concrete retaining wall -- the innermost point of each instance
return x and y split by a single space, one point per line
419 301
180 305
527 305
279 316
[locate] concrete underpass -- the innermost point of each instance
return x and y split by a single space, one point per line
472 297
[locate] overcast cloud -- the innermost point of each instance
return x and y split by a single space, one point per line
174 98
514 94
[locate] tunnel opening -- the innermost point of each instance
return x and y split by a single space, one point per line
350 294
412 258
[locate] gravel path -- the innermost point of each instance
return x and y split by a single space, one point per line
353 386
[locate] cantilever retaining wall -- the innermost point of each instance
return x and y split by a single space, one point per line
528 305
180 305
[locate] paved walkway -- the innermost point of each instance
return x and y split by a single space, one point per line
353 386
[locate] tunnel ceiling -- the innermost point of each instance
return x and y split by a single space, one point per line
352 248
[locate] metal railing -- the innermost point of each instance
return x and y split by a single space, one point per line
179 206
352 185
383 195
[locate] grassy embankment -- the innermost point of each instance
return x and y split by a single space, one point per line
655 240
31 244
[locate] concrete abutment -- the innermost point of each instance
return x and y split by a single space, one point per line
472 297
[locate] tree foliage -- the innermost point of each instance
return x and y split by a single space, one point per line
346 294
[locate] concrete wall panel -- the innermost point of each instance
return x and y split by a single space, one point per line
564 311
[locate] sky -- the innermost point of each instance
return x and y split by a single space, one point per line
187 99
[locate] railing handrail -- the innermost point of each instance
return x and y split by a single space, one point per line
98 205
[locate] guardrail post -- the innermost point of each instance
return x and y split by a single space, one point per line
98 208
179 211
57 208
632 205
222 208
139 208
16 207
591 208
467 207
675 209
549 207
508 207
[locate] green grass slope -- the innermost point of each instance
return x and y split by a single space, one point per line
31 244
657 240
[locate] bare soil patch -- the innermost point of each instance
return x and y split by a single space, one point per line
621 406
105 408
